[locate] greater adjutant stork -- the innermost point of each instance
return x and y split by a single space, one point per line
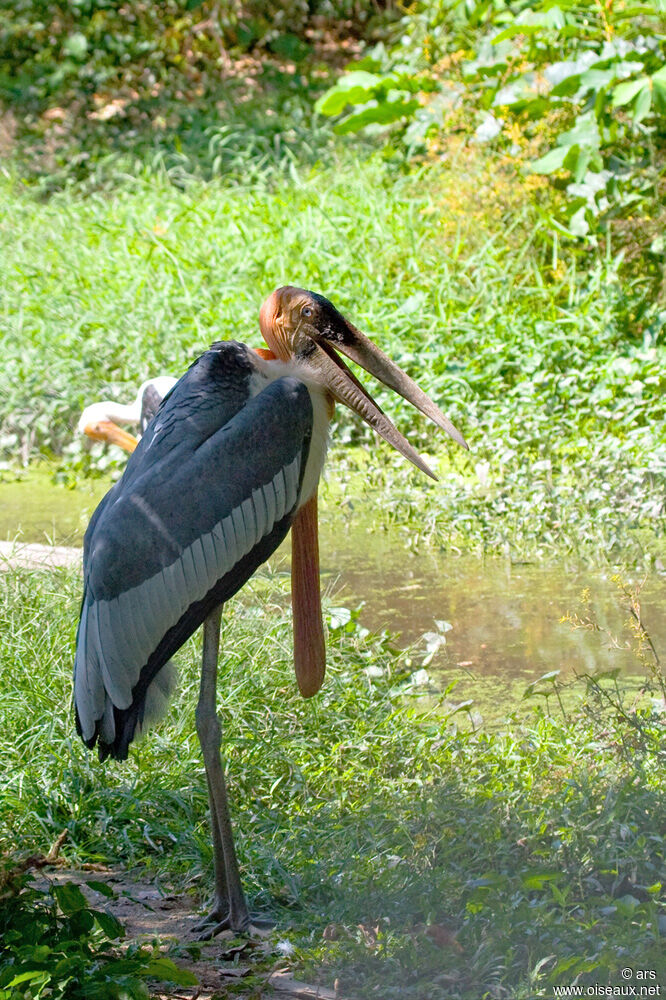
228 465
99 421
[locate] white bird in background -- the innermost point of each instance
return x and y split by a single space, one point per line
99 421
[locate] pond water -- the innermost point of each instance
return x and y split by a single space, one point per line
493 626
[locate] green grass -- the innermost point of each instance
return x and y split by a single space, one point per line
543 839
557 385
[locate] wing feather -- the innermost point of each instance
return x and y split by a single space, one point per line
243 544
121 638
231 541
169 589
205 581
180 587
261 520
118 663
116 682
210 557
221 544
131 614
108 723
192 574
291 475
268 493
89 688
155 596
251 535
280 494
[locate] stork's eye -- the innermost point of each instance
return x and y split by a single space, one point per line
306 311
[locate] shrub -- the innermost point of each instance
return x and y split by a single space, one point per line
583 84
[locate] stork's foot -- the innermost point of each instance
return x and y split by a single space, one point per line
208 928
216 920
220 918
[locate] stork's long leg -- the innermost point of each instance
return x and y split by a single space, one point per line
230 908
220 903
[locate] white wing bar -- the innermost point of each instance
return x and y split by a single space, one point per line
117 637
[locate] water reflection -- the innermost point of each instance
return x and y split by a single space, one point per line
505 619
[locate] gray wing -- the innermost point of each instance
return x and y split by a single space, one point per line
181 538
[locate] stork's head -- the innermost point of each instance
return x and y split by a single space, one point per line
305 327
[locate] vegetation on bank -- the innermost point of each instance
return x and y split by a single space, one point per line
398 849
543 343
543 365
194 85
575 92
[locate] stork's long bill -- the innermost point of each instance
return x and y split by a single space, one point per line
304 327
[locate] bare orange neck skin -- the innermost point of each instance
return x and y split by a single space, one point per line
309 642
272 328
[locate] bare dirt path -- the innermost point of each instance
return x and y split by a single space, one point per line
151 915
24 555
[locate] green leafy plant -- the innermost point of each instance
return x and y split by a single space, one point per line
381 99
53 943
597 73
587 79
